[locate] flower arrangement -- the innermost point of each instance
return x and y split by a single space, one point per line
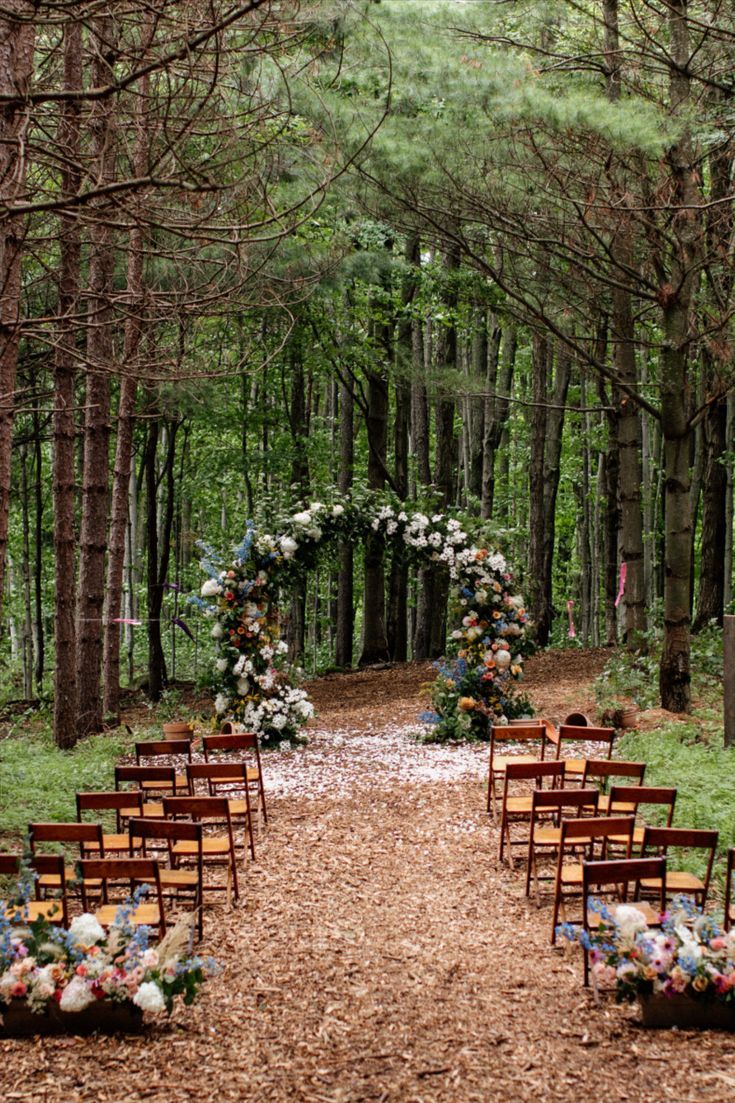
41 964
253 682
689 955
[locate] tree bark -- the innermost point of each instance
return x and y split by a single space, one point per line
496 410
345 578
374 638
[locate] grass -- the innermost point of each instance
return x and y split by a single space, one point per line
682 754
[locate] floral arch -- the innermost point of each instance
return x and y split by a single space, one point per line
253 682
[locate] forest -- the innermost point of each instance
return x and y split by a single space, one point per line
474 258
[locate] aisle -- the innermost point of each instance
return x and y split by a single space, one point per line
381 954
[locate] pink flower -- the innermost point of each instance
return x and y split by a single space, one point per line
718 943
19 989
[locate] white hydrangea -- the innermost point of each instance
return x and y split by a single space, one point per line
289 547
221 665
220 703
303 518
243 685
149 997
211 588
217 632
77 995
337 510
85 930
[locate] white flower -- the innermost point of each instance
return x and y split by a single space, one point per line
279 721
150 959
77 995
337 511
281 647
149 997
221 665
217 632
630 920
316 506
85 930
288 546
456 634
243 685
502 659
211 588
220 703
303 518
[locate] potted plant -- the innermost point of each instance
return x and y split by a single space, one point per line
87 978
682 974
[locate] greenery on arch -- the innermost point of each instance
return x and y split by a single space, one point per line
254 683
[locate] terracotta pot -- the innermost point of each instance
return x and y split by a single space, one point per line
629 716
577 720
179 729
230 728
682 1010
104 1016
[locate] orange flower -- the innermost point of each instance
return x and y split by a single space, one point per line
467 704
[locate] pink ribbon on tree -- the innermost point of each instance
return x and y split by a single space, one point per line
125 620
572 630
621 589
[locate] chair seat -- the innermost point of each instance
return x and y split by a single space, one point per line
153 810
622 808
519 805
547 836
500 761
151 783
179 878
215 844
238 807
622 840
252 775
676 881
651 915
571 875
49 909
574 765
144 915
116 844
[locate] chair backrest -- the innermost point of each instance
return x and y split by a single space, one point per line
197 808
575 832
159 748
131 870
604 769
238 741
643 794
583 733
622 872
80 833
517 733
728 886
164 776
44 865
578 801
223 773
107 802
171 830
534 771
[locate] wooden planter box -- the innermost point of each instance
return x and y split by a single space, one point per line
684 1011
104 1016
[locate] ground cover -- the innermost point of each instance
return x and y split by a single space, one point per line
380 952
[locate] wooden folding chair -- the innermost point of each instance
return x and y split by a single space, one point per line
600 771
588 835
554 805
729 916
659 840
217 850
230 780
164 749
630 798
127 803
620 873
87 837
516 807
175 881
515 735
602 738
237 743
119 877
54 910
153 781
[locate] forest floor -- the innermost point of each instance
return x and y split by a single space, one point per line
380 952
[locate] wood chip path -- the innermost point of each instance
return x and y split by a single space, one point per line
381 953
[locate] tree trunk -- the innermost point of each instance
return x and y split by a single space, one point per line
64 428
93 536
374 639
497 407
159 550
16 69
540 613
711 596
345 578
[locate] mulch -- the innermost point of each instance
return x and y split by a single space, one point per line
380 952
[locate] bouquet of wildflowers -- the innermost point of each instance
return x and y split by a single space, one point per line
40 963
688 954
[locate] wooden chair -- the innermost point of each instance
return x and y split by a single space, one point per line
591 836
620 874
153 781
163 748
54 910
729 917
602 770
570 733
119 877
217 850
626 798
237 743
230 780
553 804
87 837
128 803
175 882
515 734
660 839
516 808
